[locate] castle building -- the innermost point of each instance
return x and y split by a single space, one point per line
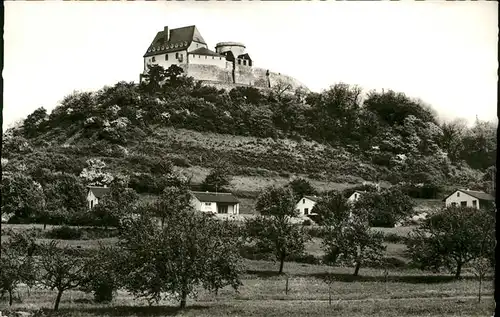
228 64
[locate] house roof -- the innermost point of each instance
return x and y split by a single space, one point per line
245 56
229 55
358 192
179 40
313 198
204 51
99 191
474 193
215 197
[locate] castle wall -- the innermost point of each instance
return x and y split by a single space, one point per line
208 72
261 80
244 75
225 86
207 60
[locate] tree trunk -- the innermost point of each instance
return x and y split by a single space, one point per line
282 262
162 222
58 299
480 285
356 269
458 271
183 299
44 225
10 297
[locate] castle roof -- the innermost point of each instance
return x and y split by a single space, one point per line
245 56
178 40
204 51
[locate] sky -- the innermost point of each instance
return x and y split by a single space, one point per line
444 53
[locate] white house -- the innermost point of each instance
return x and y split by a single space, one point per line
215 203
306 204
469 198
94 193
355 196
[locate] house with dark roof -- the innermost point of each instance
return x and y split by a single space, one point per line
94 193
355 196
306 204
469 198
215 203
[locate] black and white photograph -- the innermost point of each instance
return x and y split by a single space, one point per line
249 158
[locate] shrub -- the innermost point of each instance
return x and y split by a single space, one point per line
64 233
181 162
389 263
394 238
307 223
314 231
251 252
304 258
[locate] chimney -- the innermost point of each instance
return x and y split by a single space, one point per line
166 34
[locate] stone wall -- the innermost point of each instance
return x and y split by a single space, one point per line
227 86
244 75
208 72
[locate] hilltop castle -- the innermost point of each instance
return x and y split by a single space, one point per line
228 65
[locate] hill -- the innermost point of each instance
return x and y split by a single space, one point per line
336 139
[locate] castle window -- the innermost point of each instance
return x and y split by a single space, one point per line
166 57
153 59
239 62
212 57
176 55
205 56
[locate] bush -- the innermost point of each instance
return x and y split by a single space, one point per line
307 223
394 238
389 263
64 233
181 162
314 231
304 258
103 290
250 252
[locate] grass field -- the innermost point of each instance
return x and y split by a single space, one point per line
404 292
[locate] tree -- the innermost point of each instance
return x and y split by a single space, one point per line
154 79
34 123
21 196
10 272
386 208
94 173
65 191
452 238
347 236
16 261
191 250
218 180
173 75
60 268
301 187
115 205
101 276
273 230
172 200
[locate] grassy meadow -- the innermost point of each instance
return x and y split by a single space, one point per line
313 290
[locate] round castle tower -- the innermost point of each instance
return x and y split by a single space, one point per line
236 48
